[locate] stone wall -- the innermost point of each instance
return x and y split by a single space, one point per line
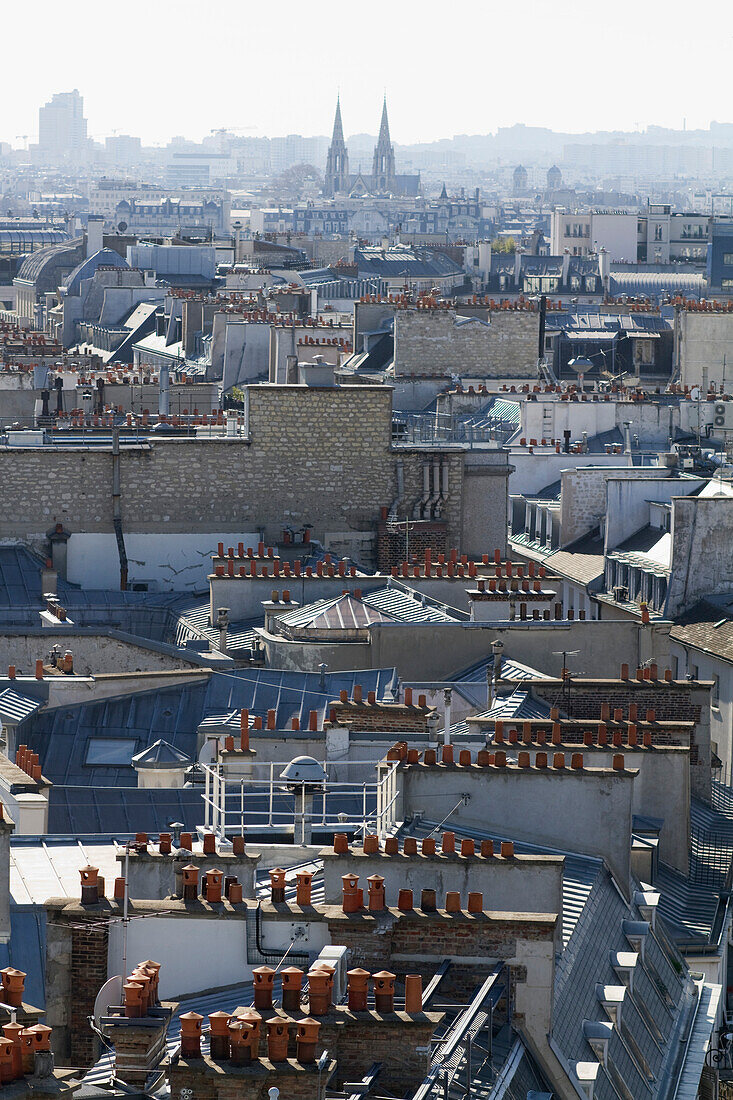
319 456
583 496
93 652
438 343
702 551
705 341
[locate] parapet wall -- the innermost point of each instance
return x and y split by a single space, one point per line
530 803
320 456
438 343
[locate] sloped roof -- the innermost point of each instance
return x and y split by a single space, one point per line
106 257
345 613
402 604
33 266
707 627
15 707
414 262
582 561
61 735
161 754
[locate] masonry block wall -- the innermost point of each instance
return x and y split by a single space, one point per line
702 551
417 941
671 701
321 456
438 343
76 969
583 497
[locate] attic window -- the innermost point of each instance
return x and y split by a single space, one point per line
110 751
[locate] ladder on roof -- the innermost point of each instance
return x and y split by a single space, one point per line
545 371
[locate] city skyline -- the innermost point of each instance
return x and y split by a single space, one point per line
500 79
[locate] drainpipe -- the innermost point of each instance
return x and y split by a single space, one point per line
394 511
164 392
447 696
116 509
431 505
222 622
440 506
418 510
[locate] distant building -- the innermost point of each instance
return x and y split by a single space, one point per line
198 167
122 149
178 217
383 179
720 256
520 180
62 129
554 178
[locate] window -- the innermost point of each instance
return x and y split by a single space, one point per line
726 284
110 751
694 672
675 668
715 694
657 233
728 259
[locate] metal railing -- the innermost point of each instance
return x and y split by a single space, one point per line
711 855
438 428
721 795
236 803
466 1050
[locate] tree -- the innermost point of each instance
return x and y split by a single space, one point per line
503 244
293 179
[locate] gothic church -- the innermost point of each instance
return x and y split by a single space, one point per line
383 179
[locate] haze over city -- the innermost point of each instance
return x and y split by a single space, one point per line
366 551
566 65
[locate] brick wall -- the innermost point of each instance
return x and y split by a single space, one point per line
88 975
437 343
422 537
206 1079
403 1043
678 701
582 699
391 717
410 942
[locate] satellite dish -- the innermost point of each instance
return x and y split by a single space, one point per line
109 994
208 751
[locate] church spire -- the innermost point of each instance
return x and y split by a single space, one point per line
337 161
384 126
338 130
383 168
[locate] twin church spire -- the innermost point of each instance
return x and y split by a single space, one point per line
383 177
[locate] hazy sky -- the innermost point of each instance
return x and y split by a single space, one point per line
163 67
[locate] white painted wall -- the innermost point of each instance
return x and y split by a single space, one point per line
176 943
168 562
